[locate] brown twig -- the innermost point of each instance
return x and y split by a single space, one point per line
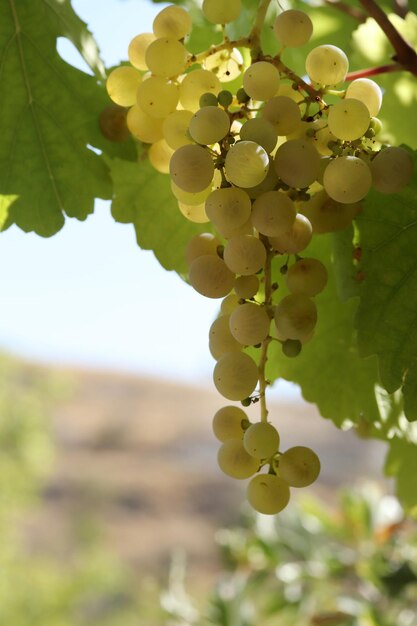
374 71
353 12
400 7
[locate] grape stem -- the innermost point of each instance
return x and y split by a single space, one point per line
374 71
264 347
255 34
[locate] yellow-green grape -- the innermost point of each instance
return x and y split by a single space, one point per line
143 127
295 316
307 276
235 375
159 155
229 304
173 22
112 123
166 57
268 494
291 347
347 179
221 12
122 84
246 164
261 80
327 65
283 113
249 324
191 199
191 168
287 90
322 137
247 286
137 50
175 128
234 461
194 213
157 96
202 243
391 169
349 119
244 254
296 239
299 466
226 64
261 440
326 215
221 339
228 208
368 92
273 213
261 132
293 28
210 276
194 84
269 183
297 163
209 125
228 423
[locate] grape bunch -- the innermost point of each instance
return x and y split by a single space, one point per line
267 166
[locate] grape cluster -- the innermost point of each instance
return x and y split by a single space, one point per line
268 166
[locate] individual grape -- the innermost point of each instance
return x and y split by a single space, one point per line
208 100
296 239
244 254
326 215
297 163
137 50
376 125
191 168
228 423
235 375
283 113
261 440
228 208
157 96
202 243
327 65
122 84
159 155
221 12
249 324
349 119
209 125
269 183
322 137
293 28
273 213
143 127
225 98
261 80
307 276
295 316
299 466
391 169
246 164
225 64
112 122
261 132
287 90
166 57
194 213
347 179
221 339
368 92
175 128
292 347
194 85
191 199
210 276
229 304
247 286
268 494
173 22
234 461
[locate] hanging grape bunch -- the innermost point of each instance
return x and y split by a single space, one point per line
268 166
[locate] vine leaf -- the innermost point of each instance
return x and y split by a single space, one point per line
48 116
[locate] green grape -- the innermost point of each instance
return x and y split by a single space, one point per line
112 122
327 65
269 183
244 254
137 50
295 316
228 208
307 276
296 239
283 113
349 119
299 466
261 80
225 98
190 199
273 213
391 169
292 347
234 461
376 125
221 12
166 57
229 304
191 168
297 163
209 125
347 179
235 375
175 128
261 132
226 64
210 276
246 164
326 215
202 243
261 440
157 96
142 126
159 155
249 324
194 213
122 84
173 22
221 339
194 85
322 137
268 494
368 92
293 28
208 100
228 423
247 286
241 96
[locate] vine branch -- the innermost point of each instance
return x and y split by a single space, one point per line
352 11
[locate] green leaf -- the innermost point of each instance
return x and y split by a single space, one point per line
346 273
49 116
401 463
409 391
